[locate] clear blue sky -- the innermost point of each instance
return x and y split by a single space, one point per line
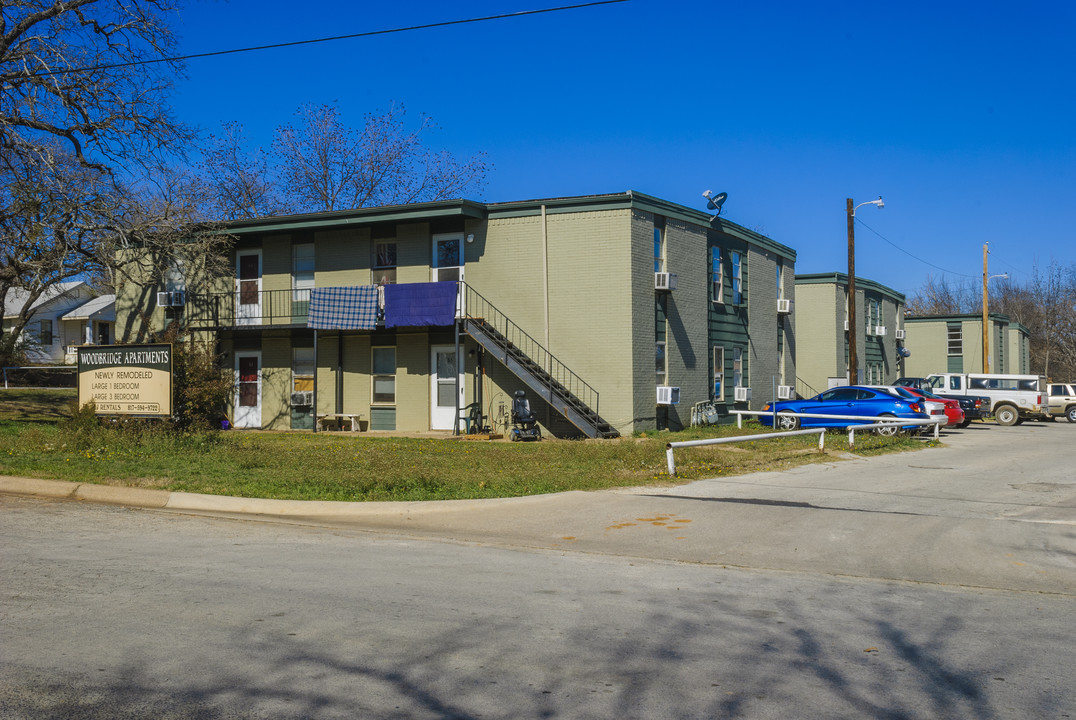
961 115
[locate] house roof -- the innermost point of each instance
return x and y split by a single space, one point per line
419 212
16 298
100 308
839 278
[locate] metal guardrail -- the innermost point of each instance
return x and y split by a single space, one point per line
273 307
851 428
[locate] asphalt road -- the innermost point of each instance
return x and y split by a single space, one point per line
930 584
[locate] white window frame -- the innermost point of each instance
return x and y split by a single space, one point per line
737 277
660 245
436 267
737 367
957 340
303 368
375 375
661 355
717 276
383 271
718 373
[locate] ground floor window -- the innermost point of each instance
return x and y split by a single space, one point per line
719 374
384 375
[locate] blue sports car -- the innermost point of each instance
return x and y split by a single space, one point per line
853 400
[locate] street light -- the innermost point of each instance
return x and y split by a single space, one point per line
853 359
986 312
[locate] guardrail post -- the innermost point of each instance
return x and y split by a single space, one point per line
851 438
822 440
739 419
670 463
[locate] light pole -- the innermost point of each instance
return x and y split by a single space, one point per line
853 359
986 311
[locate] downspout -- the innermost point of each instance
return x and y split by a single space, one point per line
545 294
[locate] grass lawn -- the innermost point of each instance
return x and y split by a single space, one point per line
36 441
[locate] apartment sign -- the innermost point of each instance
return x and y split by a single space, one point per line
131 380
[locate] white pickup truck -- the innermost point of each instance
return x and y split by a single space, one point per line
1013 398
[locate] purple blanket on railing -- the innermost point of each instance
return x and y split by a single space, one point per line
420 304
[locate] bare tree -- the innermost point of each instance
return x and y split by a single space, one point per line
84 189
938 297
320 163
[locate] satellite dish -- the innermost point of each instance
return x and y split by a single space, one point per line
715 202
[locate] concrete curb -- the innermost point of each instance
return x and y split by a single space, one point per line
197 502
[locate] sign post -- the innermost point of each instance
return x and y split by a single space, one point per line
130 380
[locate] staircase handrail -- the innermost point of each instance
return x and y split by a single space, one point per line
476 307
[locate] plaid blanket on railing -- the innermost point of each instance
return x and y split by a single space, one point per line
343 308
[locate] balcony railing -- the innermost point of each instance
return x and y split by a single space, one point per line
260 309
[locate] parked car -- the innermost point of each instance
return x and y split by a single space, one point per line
1062 401
953 413
850 400
975 407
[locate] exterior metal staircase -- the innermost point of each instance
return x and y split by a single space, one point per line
525 358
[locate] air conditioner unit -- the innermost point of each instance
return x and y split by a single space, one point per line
302 398
784 306
879 330
846 326
172 298
664 281
668 395
784 392
742 394
898 334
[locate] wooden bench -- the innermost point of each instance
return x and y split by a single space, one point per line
337 419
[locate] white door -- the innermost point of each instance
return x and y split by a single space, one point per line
446 387
248 390
248 287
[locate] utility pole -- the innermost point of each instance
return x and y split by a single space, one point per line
853 359
986 315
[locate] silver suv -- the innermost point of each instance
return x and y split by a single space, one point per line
1062 401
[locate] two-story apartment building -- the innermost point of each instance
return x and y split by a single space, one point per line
602 308
954 343
822 329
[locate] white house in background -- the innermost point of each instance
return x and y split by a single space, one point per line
66 315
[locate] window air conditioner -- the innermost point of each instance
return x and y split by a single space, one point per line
784 392
742 394
668 395
302 398
784 306
898 334
664 281
171 298
879 330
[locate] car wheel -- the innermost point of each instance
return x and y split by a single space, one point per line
964 424
787 422
1006 415
891 431
1070 414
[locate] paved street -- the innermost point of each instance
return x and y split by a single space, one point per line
930 584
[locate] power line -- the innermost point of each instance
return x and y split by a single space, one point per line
925 262
294 43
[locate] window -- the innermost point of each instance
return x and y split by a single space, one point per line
780 274
717 276
302 268
447 257
659 354
174 276
302 369
384 375
44 332
659 245
955 339
383 263
719 374
737 279
737 367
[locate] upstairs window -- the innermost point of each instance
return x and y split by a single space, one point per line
717 276
383 263
659 245
447 257
737 278
955 339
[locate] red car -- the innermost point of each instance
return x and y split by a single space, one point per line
954 415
